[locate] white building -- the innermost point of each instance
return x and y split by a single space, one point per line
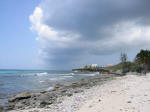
94 65
109 65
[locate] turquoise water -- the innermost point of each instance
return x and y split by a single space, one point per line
14 81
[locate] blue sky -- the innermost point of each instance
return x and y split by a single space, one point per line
65 34
18 47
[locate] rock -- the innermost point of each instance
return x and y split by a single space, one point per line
35 111
78 91
24 95
19 105
69 94
64 91
129 102
43 92
113 91
10 106
44 103
44 99
58 86
90 106
1 108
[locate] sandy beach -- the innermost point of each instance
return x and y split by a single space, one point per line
130 93
126 94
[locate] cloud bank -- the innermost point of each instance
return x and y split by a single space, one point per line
73 30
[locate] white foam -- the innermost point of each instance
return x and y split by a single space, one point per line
41 81
92 74
67 76
72 74
50 88
96 73
41 74
58 78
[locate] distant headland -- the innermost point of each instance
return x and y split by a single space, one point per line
91 68
141 64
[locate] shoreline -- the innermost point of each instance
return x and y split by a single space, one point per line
105 93
130 93
43 99
44 81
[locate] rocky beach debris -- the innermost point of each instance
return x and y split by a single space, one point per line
27 100
21 96
129 93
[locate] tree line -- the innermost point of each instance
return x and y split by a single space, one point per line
140 64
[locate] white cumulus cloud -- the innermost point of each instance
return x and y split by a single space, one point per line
69 30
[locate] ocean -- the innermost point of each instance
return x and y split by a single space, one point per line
15 81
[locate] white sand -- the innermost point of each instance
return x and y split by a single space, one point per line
130 93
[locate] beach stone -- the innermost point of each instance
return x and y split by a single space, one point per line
58 86
24 95
34 111
43 92
19 105
1 108
78 91
113 91
44 99
99 100
90 106
44 103
64 91
10 106
129 102
69 94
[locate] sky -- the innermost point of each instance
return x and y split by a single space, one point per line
65 34
18 48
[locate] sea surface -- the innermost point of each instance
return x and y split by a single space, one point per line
14 81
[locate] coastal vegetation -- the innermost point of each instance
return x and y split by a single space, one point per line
143 60
124 63
140 64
